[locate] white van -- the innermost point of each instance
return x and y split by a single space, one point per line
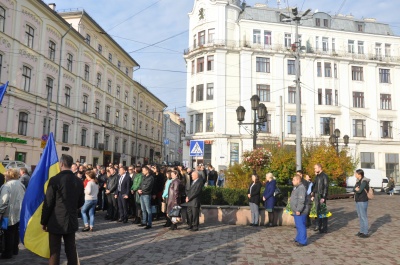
378 181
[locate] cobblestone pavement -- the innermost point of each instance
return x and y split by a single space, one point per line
116 243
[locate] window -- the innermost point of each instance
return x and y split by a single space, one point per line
291 95
117 117
87 71
384 75
52 51
67 96
26 78
359 128
360 47
360 27
109 83
326 23
264 93
256 36
2 18
386 101
288 40
116 144
210 63
107 142
333 45
336 98
134 101
118 92
387 50
328 97
319 96
209 122
45 125
318 22
378 51
357 73
65 133
199 92
291 123
87 39
211 33
210 91
291 67
124 146
96 140
119 64
200 64
191 124
319 69
262 64
97 109
193 67
328 70
199 123
146 127
194 41
126 95
125 121
29 35
110 57
108 113
98 80
317 43
392 166
386 129
133 124
267 38
358 99
335 70
126 70
327 125
325 44
266 126
192 95
350 45
22 123
202 38
69 62
85 104
100 48
49 87
367 160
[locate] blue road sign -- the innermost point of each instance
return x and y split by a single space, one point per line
196 148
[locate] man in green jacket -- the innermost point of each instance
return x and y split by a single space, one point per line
137 180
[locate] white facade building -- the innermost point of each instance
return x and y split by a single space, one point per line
350 69
174 129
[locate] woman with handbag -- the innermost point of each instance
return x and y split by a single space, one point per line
11 196
174 199
269 198
254 199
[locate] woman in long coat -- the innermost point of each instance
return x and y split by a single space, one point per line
269 198
174 196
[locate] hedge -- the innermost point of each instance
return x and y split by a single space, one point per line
238 197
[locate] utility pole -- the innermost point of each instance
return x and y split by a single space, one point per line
296 49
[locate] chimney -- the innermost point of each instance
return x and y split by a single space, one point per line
52 6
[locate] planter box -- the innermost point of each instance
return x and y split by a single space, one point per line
240 215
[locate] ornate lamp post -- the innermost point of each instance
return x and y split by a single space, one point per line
334 139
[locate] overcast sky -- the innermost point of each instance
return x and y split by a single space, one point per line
136 23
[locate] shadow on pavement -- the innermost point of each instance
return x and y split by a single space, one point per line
380 222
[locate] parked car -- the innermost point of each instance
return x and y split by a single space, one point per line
16 165
377 181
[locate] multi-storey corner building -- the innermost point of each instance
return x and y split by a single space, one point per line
174 131
350 69
67 62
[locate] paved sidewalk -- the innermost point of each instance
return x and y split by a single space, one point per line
116 243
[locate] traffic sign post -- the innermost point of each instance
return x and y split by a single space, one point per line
196 148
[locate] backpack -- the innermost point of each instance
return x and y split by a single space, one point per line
370 193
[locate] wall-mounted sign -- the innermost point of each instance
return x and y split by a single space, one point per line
12 140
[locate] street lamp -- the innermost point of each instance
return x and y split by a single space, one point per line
260 110
334 139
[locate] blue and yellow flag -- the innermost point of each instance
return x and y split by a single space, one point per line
3 89
30 230
2 169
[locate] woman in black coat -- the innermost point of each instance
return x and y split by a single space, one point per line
254 199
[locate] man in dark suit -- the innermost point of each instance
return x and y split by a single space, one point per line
64 196
193 202
319 195
122 194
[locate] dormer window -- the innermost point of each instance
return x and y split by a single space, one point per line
360 28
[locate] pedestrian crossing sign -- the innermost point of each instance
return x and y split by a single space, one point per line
196 148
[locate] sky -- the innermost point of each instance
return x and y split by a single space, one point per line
136 24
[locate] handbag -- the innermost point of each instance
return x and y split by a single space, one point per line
277 191
163 207
175 212
154 209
